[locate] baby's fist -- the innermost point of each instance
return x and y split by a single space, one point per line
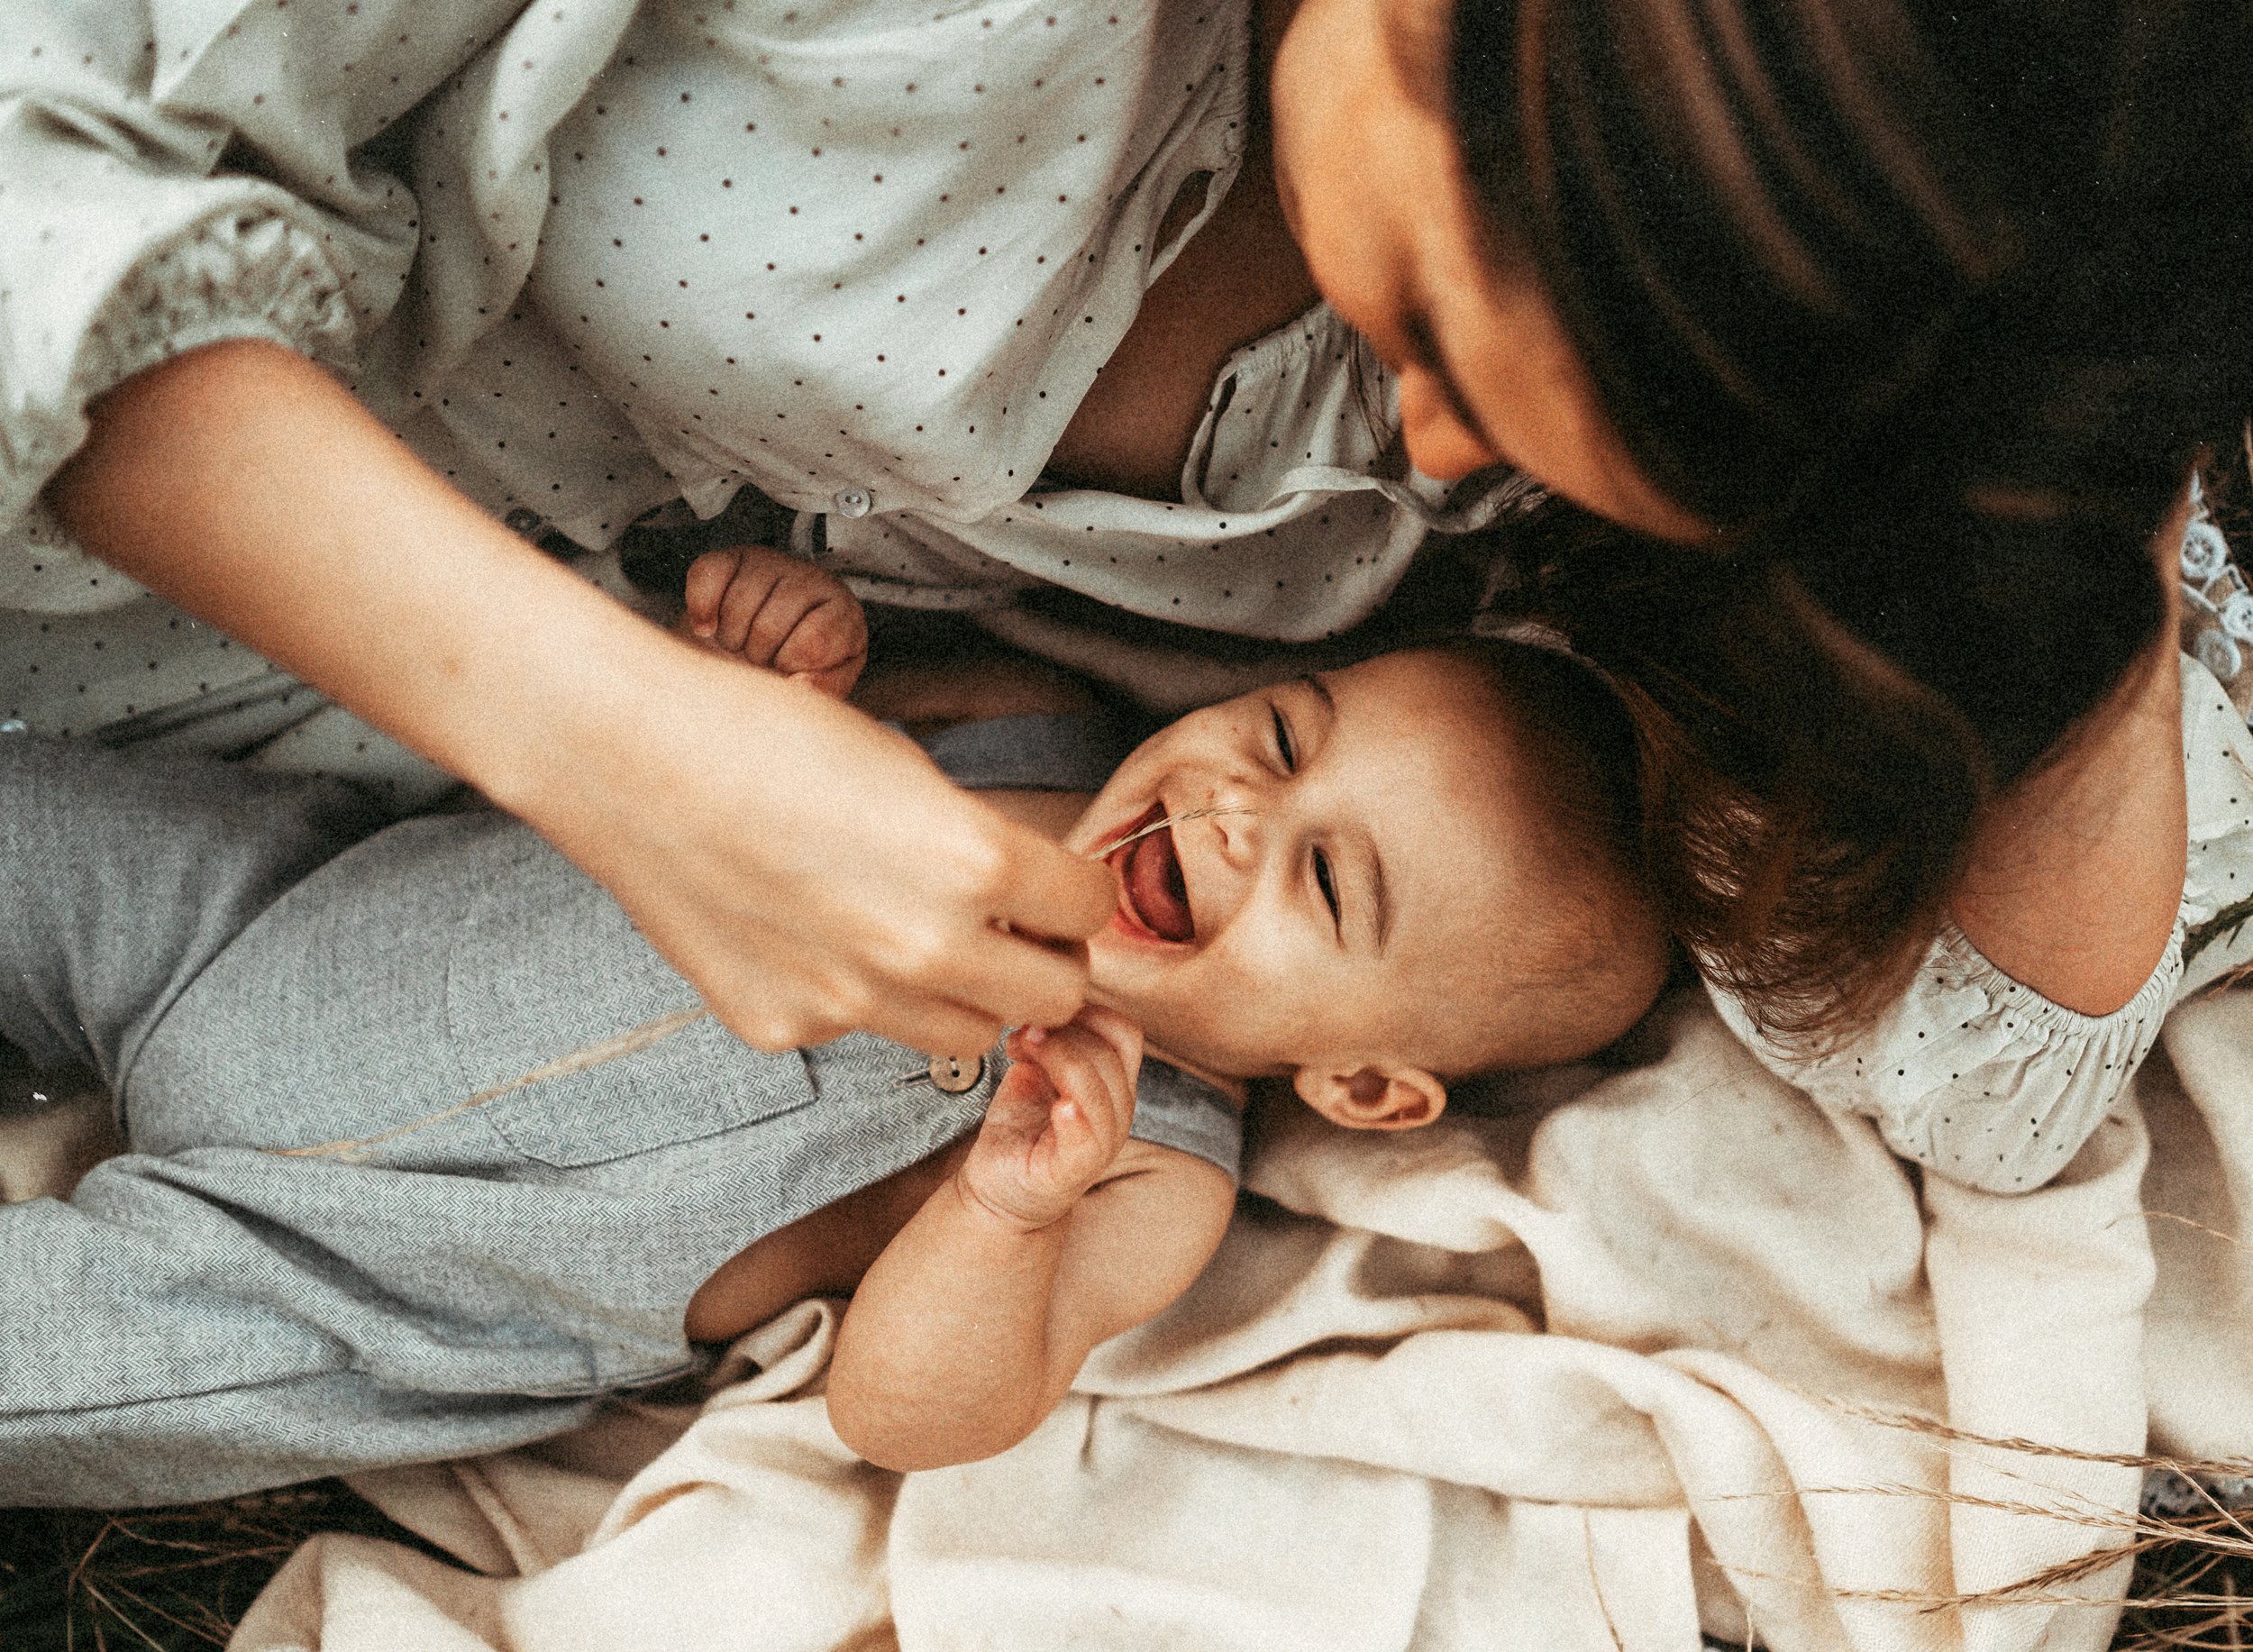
776 611
1057 1119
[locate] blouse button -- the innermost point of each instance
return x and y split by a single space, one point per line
855 502
955 1076
520 520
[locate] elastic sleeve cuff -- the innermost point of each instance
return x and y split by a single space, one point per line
237 271
1976 1075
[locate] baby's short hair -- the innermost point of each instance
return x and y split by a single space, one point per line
1601 961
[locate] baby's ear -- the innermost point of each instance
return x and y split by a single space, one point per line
1372 1098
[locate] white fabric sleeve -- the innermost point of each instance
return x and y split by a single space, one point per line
1980 1078
1975 1076
2218 889
179 172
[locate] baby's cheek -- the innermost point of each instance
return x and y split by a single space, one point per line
1256 1009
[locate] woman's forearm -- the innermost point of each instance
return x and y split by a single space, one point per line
807 871
243 483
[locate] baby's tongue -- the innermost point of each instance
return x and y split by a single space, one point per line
1153 882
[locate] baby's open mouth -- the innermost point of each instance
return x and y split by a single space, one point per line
1153 898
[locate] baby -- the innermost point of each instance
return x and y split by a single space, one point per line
429 1151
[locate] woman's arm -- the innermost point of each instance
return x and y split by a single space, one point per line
970 1326
808 872
2075 874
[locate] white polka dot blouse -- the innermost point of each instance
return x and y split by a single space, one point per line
865 257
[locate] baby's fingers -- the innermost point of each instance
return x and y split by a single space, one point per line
1122 1037
708 584
828 645
1091 1077
760 582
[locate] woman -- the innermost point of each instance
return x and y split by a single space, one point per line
1488 227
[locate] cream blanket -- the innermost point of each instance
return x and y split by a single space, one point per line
1595 1374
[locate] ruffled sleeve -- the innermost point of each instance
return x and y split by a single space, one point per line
175 175
1980 1077
2218 885
1976 1075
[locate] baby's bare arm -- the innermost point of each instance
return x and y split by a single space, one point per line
976 1319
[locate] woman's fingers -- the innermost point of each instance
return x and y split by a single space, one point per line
810 872
936 1026
1056 895
1019 983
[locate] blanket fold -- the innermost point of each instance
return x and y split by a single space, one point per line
1673 1352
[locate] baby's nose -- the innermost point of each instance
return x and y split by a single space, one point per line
1235 822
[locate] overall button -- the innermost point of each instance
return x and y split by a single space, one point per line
855 502
955 1076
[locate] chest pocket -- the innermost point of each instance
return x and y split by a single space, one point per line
545 965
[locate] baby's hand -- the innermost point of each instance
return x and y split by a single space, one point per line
779 612
1058 1118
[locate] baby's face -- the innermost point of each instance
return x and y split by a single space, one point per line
1359 899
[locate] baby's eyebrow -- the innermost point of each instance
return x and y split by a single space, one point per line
1382 900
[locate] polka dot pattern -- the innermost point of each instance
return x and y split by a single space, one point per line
148 676
1291 526
655 252
816 259
1987 1081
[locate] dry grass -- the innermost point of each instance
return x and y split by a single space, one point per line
176 1580
159 1580
2193 1588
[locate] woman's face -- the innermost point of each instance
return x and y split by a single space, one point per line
1372 182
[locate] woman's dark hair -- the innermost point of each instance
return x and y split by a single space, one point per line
1927 306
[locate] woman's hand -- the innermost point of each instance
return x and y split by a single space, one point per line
1058 1118
811 872
769 609
808 872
